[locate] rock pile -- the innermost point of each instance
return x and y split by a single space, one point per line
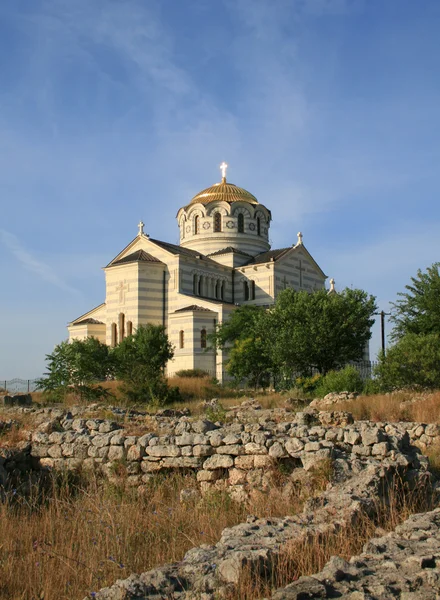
404 564
333 398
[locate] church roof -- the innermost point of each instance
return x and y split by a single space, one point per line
191 308
174 249
89 322
227 250
138 256
227 192
269 256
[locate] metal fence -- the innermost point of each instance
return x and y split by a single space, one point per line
19 385
365 368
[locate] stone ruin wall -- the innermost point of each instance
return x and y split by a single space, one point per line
237 456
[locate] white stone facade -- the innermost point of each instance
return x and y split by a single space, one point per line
223 260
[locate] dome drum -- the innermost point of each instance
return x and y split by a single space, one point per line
224 215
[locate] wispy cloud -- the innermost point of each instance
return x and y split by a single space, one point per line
39 268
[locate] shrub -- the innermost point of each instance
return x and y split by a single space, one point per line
414 362
345 380
308 384
192 373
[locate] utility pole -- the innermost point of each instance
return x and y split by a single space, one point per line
382 314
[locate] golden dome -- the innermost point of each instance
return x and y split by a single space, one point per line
228 192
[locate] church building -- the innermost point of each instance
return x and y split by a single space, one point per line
224 260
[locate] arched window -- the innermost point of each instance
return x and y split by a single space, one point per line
203 338
200 286
114 334
129 328
195 284
240 223
252 295
222 291
217 222
121 326
258 226
246 290
196 225
181 339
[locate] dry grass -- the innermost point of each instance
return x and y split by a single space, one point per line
395 407
18 432
78 539
308 556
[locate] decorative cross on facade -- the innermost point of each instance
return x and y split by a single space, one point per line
141 227
300 237
223 168
301 269
122 287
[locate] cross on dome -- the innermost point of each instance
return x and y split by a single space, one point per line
223 168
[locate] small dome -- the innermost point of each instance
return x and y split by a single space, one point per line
228 192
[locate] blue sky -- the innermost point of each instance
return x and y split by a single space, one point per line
112 111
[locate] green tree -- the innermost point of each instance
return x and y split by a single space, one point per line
248 359
77 366
140 360
243 323
414 361
244 333
319 330
418 309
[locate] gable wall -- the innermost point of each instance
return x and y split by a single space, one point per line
287 273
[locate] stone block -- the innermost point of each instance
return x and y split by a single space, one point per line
101 440
145 439
80 451
130 440
360 450
293 446
186 439
103 452
203 450
277 450
55 451
67 449
203 425
215 438
40 450
116 453
263 462
181 462
117 440
231 439
313 459
380 449
136 452
244 462
312 447
210 475
187 450
352 437
254 448
56 437
237 476
234 450
163 451
218 461
372 435
151 467
200 439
